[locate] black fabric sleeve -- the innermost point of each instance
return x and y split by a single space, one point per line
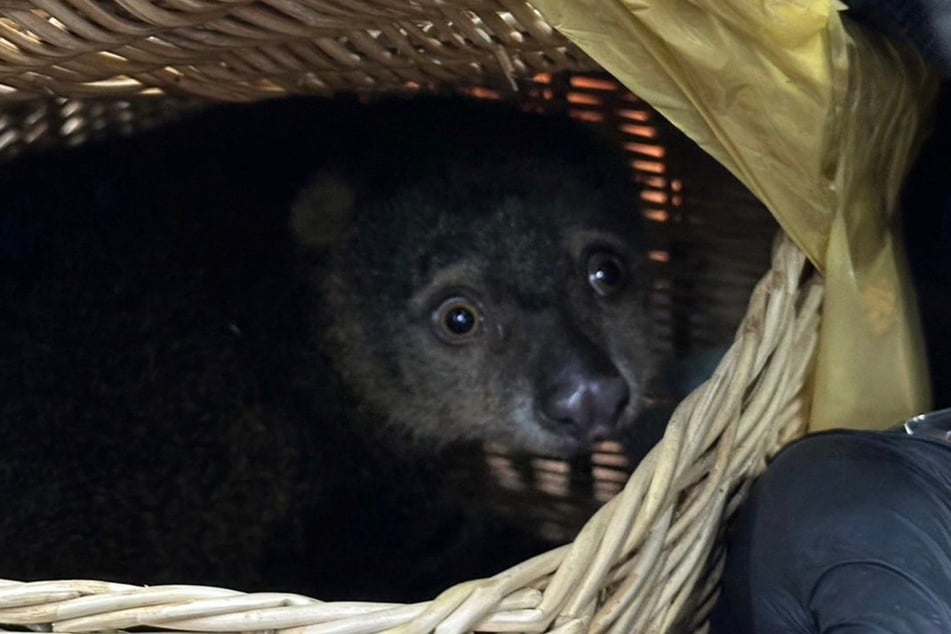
846 533
925 23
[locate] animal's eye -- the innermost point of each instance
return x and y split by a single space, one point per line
606 273
457 320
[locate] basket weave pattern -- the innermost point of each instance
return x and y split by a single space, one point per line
648 561
644 562
241 49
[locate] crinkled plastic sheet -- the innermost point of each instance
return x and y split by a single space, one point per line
820 121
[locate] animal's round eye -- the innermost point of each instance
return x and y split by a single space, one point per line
457 320
606 273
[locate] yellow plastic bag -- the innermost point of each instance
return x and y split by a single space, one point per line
820 122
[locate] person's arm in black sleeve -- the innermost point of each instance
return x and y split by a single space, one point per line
846 533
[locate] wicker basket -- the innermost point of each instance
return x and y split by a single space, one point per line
649 559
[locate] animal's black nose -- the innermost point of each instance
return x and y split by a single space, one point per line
588 405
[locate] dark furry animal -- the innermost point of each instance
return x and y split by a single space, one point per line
193 394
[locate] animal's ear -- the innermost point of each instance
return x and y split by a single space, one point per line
322 213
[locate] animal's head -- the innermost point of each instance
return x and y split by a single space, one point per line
494 295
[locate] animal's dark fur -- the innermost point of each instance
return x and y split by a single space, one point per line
188 397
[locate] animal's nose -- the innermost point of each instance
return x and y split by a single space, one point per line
588 405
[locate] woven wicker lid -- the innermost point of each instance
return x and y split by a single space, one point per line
247 49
